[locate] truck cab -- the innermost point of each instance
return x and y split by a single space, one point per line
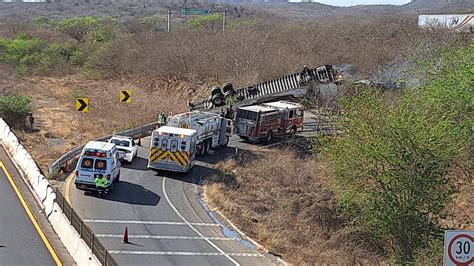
97 159
266 121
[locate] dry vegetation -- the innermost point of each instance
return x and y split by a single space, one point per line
281 200
253 53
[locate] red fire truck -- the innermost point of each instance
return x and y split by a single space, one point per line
266 121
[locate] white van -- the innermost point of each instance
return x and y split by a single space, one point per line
97 158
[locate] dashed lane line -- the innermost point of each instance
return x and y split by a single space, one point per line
146 222
163 184
166 237
182 253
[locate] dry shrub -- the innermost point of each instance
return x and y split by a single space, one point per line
280 199
269 49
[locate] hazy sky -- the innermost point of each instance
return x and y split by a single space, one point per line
362 2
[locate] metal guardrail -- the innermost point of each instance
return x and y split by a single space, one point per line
86 234
321 75
68 157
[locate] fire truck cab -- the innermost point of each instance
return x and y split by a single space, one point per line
266 121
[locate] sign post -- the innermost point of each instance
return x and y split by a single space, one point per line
458 248
82 105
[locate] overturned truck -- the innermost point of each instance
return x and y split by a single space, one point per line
252 93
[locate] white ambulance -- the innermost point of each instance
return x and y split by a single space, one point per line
172 149
97 159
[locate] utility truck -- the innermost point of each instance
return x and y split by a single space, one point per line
174 147
212 130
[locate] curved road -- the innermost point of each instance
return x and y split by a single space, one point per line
165 221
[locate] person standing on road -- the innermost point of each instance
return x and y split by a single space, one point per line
31 119
101 183
305 74
161 119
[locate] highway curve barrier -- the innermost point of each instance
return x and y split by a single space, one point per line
73 237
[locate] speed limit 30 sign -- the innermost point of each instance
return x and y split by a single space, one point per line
459 248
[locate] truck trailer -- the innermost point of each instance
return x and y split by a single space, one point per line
456 22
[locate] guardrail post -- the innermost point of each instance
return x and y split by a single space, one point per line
105 257
92 243
70 215
62 203
80 228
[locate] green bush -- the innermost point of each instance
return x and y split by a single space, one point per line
389 168
212 22
99 28
153 23
31 54
41 20
14 109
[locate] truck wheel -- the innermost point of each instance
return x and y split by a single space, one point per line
244 138
268 137
199 151
293 132
228 90
117 178
215 90
207 146
218 99
228 87
225 142
228 94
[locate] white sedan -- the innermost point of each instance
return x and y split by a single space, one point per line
126 147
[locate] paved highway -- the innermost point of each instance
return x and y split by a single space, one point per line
166 223
20 241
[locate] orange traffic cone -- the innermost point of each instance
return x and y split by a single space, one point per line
125 236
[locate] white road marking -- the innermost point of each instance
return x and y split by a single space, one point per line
145 222
191 226
182 253
166 237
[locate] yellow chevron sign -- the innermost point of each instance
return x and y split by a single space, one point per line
181 158
125 96
82 105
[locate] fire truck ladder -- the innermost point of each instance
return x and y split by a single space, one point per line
321 75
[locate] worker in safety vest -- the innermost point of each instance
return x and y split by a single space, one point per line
162 119
101 183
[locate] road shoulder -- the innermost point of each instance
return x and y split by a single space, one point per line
36 210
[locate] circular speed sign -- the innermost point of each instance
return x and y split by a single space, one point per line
461 250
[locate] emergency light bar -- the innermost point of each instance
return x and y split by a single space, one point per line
95 154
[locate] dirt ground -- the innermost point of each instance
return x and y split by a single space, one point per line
57 127
279 199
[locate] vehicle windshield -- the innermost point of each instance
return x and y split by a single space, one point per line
119 142
245 114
